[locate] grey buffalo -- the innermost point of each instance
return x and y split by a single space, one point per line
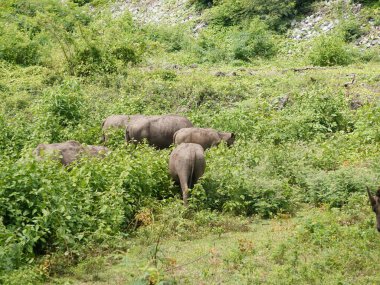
117 122
186 165
157 130
205 137
69 151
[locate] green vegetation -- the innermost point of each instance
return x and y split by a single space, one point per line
330 51
315 247
307 146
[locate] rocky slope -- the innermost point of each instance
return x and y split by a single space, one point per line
329 16
157 11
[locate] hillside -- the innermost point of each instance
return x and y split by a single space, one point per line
157 11
297 82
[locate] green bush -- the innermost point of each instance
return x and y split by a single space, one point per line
91 60
212 46
13 133
254 42
367 124
82 2
351 30
231 189
126 54
304 6
225 13
27 275
17 47
87 51
368 55
66 103
172 38
45 206
58 112
372 3
329 51
201 4
335 187
318 112
275 13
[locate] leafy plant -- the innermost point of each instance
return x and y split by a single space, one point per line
352 30
274 13
257 41
17 47
329 51
335 187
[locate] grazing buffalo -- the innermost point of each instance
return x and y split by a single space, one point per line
69 151
117 122
205 137
375 204
186 165
157 130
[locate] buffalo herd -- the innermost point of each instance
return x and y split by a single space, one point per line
187 161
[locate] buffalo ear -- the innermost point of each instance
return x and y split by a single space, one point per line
371 198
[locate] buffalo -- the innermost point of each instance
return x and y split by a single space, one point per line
157 130
68 151
186 165
205 137
117 122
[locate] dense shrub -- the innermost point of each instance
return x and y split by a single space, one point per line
274 13
351 29
335 187
304 6
212 46
65 103
17 47
45 206
367 125
314 149
58 112
201 4
254 42
91 60
230 189
172 38
5 134
373 3
82 2
310 115
329 51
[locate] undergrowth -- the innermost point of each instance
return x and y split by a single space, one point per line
64 67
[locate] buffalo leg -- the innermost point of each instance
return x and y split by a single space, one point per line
184 188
